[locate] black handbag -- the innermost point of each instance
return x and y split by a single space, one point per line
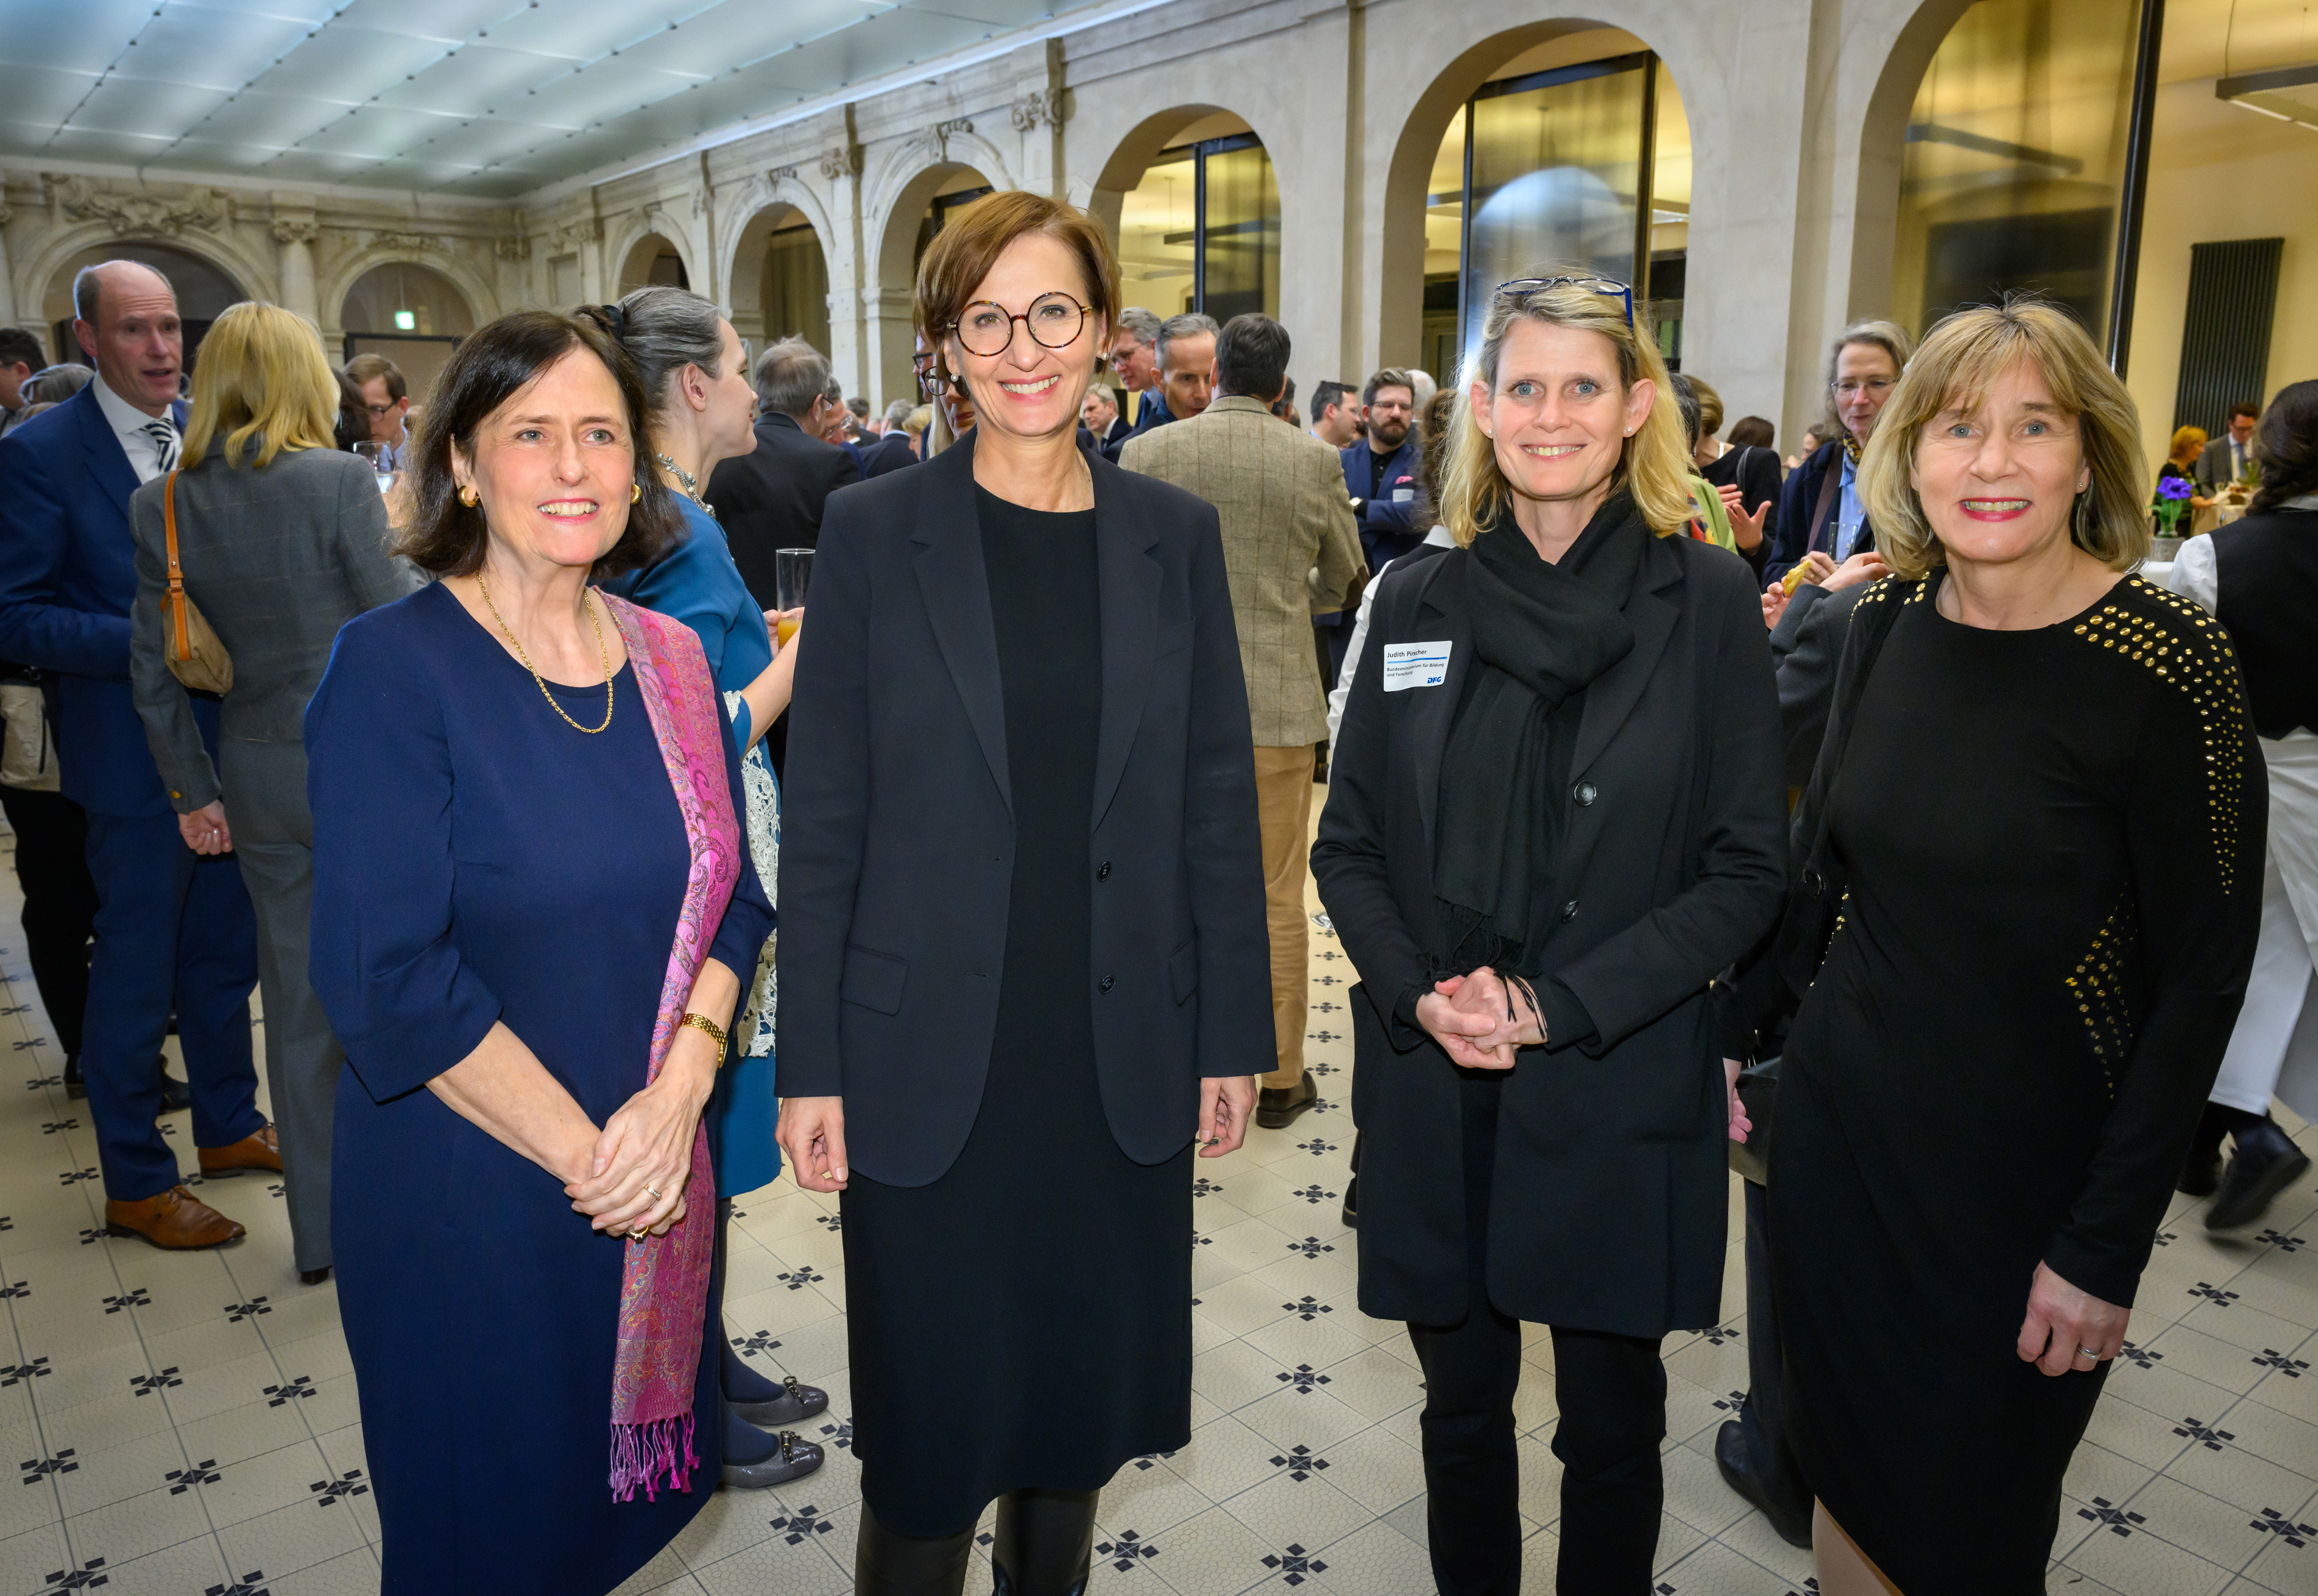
1815 889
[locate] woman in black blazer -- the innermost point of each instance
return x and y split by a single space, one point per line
1554 815
1022 951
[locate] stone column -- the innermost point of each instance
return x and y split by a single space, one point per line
7 272
296 236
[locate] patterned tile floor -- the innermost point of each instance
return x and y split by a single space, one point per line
186 1424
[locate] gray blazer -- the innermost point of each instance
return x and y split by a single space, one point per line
2212 469
277 559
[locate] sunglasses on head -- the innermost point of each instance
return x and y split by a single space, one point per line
1607 287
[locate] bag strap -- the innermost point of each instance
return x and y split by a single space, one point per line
1830 488
183 651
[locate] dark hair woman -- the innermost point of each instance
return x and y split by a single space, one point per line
694 374
1554 817
511 914
2028 869
1023 967
2259 575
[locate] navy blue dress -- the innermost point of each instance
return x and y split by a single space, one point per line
477 860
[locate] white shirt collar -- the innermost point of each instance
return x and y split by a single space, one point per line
128 424
1439 537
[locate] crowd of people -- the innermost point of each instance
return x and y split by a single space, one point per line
1663 783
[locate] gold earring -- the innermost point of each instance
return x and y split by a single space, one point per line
470 498
635 493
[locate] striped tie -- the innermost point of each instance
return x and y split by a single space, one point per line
165 442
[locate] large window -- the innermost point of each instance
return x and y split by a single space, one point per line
2016 154
1202 230
1581 167
796 291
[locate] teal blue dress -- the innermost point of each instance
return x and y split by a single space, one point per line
698 584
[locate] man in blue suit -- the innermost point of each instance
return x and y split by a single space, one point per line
173 930
1380 471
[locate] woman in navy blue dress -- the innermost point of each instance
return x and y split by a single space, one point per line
694 374
507 874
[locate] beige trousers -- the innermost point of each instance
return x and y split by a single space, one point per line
1283 812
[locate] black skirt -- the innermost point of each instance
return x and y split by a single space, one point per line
1026 1318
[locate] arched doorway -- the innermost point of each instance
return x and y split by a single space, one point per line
1198 216
411 314
925 204
961 188
204 292
2015 161
652 260
780 281
1572 153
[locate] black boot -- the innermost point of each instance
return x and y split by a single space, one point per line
1045 1544
2265 1162
888 1564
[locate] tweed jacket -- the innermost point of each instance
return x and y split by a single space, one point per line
278 559
1279 494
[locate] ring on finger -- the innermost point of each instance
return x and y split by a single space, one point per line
654 1190
2083 1351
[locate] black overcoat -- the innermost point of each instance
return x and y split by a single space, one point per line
1610 1196
897 825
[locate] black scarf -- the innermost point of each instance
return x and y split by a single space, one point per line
1542 634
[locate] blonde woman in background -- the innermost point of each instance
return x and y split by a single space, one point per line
282 539
1556 813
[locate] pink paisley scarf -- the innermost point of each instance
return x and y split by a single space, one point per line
664 1294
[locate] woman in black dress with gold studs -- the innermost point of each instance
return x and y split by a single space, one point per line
2031 854
1023 973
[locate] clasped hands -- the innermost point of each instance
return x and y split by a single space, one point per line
643 1157
1480 1018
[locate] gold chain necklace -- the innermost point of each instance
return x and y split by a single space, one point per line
540 681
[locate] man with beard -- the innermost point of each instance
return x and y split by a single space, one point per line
1380 471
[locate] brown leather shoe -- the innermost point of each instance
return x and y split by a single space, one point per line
262 1150
176 1219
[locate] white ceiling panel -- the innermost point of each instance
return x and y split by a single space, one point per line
992 13
42 94
160 110
579 31
84 36
218 155
381 133
71 144
24 138
185 45
598 94
484 97
255 117
350 64
868 50
453 22
234 13
480 77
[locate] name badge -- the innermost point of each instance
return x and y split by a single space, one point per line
1401 496
1415 664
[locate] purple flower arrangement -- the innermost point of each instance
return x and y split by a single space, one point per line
2172 499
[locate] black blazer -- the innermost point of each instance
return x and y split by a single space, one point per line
1610 1190
772 497
1806 646
897 829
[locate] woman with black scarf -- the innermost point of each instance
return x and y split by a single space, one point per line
1556 814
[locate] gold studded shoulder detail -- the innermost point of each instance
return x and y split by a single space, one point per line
2190 651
